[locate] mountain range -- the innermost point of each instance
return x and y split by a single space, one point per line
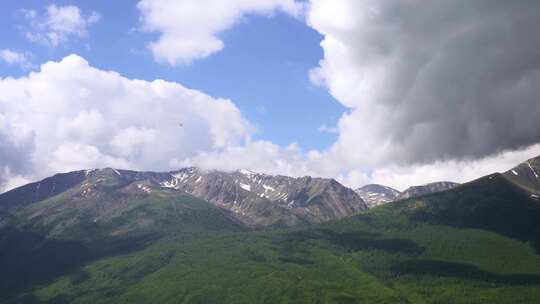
198 236
254 199
251 198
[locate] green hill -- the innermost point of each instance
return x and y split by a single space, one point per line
56 236
476 243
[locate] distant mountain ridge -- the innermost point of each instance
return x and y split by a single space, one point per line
254 199
434 187
375 195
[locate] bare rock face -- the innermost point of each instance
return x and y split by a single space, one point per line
416 191
261 199
375 195
254 199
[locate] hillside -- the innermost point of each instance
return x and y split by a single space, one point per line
101 217
476 243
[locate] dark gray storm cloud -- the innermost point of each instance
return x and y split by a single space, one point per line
432 80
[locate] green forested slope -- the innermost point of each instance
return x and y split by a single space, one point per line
477 243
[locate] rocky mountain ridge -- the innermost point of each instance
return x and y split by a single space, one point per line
254 199
249 194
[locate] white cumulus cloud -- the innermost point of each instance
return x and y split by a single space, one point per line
70 116
189 29
23 60
58 24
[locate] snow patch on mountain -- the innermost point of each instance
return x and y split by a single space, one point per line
245 187
532 169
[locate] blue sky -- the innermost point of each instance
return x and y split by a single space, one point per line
263 68
407 99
